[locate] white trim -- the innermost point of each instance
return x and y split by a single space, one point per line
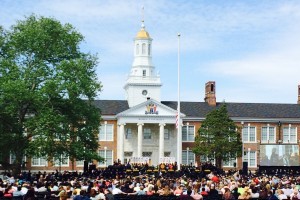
105 164
268 141
39 162
58 163
104 126
187 133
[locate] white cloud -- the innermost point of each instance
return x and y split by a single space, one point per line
240 44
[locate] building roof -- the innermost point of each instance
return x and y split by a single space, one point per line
143 34
201 109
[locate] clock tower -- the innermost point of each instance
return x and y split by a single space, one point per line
143 82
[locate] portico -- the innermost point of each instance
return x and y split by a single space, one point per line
147 134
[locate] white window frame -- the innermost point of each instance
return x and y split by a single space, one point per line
289 141
79 163
128 134
41 162
65 161
187 133
166 134
144 73
146 133
12 158
268 127
247 140
104 127
188 154
229 163
247 158
104 155
204 158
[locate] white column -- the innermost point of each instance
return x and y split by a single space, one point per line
161 141
121 142
140 140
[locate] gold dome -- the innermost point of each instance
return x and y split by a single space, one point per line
143 34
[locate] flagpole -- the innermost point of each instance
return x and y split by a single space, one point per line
179 133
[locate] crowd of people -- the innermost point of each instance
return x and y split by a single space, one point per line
120 182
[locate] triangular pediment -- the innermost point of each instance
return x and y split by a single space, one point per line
149 108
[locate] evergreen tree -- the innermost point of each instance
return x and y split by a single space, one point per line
218 137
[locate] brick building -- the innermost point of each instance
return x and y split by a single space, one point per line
142 127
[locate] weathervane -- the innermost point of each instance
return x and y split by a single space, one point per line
142 14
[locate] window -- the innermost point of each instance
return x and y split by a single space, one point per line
143 48
249 134
79 163
268 134
289 134
147 133
166 134
250 157
144 72
149 49
167 154
128 153
188 133
127 156
12 158
137 49
108 157
147 154
188 157
106 132
204 158
63 162
128 134
36 161
230 163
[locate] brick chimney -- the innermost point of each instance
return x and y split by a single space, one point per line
298 94
210 93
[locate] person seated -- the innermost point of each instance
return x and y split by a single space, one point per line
196 195
18 192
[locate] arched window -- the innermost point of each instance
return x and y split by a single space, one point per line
143 48
212 87
137 49
149 49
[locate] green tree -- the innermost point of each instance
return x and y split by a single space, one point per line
47 88
218 137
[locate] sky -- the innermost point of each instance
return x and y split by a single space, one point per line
251 49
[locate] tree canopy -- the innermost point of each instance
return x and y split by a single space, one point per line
218 137
47 86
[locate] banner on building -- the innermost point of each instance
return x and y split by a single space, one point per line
140 160
167 160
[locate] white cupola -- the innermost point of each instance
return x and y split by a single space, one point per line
143 82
